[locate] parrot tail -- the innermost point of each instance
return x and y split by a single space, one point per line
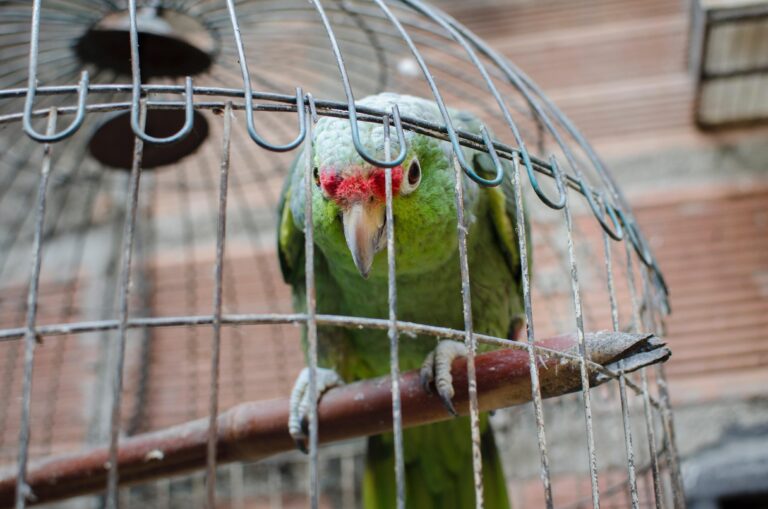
438 468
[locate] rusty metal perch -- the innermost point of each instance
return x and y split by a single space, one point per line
256 430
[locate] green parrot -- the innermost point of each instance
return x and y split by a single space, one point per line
348 215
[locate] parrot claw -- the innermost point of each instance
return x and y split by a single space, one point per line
427 372
301 445
298 419
437 367
449 405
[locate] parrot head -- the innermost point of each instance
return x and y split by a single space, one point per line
359 193
349 205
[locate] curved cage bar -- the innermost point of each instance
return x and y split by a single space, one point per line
172 268
189 111
70 130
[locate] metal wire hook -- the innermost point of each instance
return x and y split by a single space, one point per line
353 123
634 237
82 92
517 79
189 111
32 89
470 172
261 141
400 138
136 89
662 283
249 95
442 20
556 174
640 246
617 233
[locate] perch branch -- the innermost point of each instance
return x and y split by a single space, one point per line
257 430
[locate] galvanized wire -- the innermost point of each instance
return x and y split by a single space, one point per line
649 421
469 336
678 492
31 338
311 305
144 289
582 348
625 412
394 356
221 233
124 298
525 271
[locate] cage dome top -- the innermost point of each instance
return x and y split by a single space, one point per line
336 51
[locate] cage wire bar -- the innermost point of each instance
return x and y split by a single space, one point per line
311 303
390 33
30 338
625 417
397 419
532 362
123 297
582 350
656 320
221 232
649 422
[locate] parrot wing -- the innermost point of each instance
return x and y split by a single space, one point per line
290 239
502 205
503 212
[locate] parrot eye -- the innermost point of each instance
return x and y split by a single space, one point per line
316 174
413 178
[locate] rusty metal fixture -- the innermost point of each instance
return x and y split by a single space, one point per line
256 430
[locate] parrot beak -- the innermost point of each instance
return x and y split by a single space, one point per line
364 231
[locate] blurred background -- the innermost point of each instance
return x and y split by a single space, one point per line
672 94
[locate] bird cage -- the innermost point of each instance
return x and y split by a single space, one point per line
144 145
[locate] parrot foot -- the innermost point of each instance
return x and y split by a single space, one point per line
437 367
298 419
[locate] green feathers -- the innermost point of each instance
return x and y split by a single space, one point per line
439 475
438 457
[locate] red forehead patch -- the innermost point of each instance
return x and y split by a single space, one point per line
358 186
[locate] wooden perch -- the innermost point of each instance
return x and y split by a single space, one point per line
253 431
